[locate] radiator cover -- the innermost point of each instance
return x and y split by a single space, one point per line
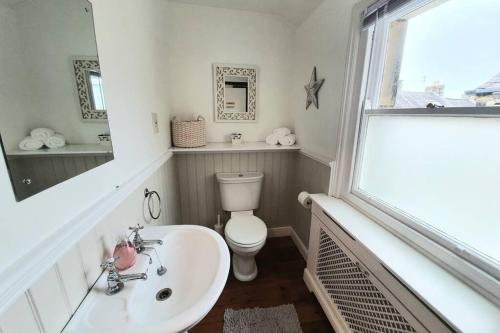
363 307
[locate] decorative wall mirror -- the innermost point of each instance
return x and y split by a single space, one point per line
53 119
235 93
89 88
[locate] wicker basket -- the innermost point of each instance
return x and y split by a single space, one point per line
189 134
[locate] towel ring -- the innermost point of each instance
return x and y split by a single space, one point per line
149 195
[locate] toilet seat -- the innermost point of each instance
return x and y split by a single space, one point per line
246 231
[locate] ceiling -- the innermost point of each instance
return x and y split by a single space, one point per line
293 11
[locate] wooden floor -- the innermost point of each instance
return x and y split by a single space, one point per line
279 282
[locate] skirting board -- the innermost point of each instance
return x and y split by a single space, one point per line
333 317
289 232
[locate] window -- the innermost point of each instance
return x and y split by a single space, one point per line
95 90
428 138
437 55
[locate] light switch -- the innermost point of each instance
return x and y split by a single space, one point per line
154 118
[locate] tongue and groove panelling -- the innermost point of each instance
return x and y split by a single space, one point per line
199 191
285 175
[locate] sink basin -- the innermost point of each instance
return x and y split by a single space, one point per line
197 262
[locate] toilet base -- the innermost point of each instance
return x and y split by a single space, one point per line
244 267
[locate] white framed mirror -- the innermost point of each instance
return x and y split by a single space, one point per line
235 93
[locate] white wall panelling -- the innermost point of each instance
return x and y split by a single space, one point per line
72 272
56 295
10 320
50 301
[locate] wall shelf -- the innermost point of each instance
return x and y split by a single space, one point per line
221 147
66 150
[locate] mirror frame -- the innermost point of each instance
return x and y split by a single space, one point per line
80 66
220 71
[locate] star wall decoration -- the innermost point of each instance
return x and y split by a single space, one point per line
312 89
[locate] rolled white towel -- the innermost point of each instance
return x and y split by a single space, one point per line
56 141
288 140
42 134
272 139
28 143
281 132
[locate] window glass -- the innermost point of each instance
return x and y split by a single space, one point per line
97 92
445 54
443 171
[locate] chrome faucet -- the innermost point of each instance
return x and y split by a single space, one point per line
141 244
116 281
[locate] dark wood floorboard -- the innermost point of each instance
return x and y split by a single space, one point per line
279 282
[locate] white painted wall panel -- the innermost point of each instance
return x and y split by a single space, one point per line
91 249
19 318
59 292
50 301
75 285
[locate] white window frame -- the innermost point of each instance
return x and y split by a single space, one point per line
475 269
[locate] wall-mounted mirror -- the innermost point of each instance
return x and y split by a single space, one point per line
53 119
235 93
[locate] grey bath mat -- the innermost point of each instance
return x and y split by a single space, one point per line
278 319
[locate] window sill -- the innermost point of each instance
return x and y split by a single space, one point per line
458 303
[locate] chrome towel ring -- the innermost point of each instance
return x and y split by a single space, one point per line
150 195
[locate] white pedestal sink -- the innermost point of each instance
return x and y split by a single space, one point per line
197 261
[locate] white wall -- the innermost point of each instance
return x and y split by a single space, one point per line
131 95
321 41
201 36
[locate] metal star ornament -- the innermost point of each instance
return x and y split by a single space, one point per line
312 89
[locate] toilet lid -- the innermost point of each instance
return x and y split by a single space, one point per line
246 230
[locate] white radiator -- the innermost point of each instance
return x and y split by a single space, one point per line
357 292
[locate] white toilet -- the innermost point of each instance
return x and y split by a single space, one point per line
245 233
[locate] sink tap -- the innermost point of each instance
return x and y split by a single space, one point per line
141 244
116 280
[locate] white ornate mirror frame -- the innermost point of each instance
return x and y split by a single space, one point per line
81 66
220 71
